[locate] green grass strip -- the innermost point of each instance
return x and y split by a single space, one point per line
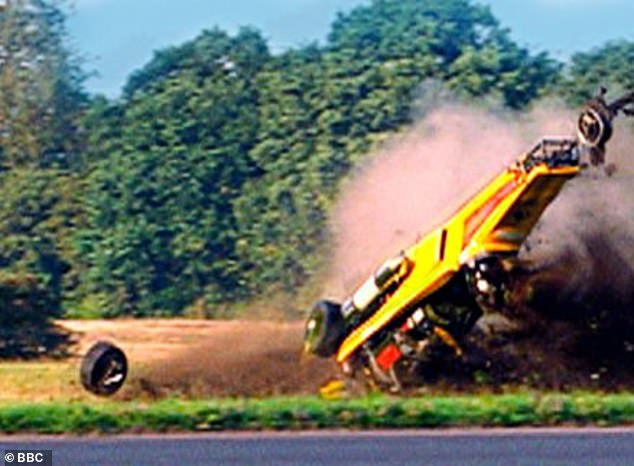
525 409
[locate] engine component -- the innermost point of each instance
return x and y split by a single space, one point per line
488 281
389 274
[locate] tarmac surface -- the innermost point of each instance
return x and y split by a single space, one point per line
480 447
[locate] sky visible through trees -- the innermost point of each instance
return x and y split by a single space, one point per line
561 27
210 181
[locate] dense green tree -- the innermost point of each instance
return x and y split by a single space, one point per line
38 209
611 65
26 308
100 129
159 203
211 179
321 110
40 86
456 41
41 100
215 174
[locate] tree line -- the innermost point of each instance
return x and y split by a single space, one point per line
210 180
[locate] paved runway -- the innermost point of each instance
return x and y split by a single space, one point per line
528 447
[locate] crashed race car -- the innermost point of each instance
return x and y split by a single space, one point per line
419 306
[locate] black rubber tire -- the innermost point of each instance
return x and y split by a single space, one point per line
104 369
597 134
325 329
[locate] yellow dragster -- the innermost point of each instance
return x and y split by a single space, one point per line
426 299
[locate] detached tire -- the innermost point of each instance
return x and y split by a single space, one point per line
104 369
594 125
325 329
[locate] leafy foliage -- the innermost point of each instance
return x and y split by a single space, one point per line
40 103
40 86
26 307
37 210
455 40
211 180
159 202
611 65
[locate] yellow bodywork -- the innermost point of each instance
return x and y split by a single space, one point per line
496 220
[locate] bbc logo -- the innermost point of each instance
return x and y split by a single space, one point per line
28 458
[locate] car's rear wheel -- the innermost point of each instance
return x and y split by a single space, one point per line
325 329
104 369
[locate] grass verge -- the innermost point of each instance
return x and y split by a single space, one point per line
525 409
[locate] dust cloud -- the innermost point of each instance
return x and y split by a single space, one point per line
583 247
581 255
239 359
576 323
419 179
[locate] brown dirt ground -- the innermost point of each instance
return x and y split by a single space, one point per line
194 358
197 358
